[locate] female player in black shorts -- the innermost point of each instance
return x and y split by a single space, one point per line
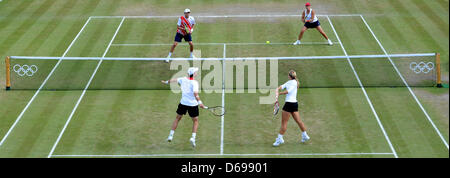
311 21
290 107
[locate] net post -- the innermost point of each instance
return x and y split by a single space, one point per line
8 73
438 70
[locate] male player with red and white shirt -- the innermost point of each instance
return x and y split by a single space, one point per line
185 27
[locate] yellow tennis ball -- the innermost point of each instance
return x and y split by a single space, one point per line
267 42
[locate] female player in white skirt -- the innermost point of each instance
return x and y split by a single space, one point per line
190 101
310 20
290 107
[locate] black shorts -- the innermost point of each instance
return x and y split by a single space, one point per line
192 110
179 36
312 25
290 107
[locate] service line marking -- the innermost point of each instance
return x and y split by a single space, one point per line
406 84
364 91
43 83
84 91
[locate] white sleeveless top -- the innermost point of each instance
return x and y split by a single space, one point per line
308 16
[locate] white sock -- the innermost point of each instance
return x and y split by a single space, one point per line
192 54
304 134
280 136
193 135
170 54
171 132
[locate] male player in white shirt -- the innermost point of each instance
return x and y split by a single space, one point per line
311 21
290 107
190 100
185 27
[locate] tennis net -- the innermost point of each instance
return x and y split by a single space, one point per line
122 73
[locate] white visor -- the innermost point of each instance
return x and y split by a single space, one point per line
192 70
187 10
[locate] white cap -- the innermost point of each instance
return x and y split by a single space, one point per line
187 10
192 70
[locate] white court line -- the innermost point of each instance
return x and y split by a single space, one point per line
364 91
231 16
84 91
190 155
43 83
406 84
229 44
222 119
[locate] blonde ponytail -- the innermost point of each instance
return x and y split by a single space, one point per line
293 75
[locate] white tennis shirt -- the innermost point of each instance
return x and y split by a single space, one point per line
188 87
291 87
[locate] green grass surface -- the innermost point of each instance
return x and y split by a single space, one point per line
136 122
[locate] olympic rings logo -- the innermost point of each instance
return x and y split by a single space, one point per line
421 67
25 70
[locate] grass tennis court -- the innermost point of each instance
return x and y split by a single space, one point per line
125 113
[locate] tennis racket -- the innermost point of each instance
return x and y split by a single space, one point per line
216 110
276 108
187 29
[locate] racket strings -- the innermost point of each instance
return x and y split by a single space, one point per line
218 111
276 108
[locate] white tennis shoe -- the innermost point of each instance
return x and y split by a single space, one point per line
329 42
278 142
168 59
170 138
297 42
192 140
305 138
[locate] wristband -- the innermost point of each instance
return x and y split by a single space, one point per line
200 102
166 82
